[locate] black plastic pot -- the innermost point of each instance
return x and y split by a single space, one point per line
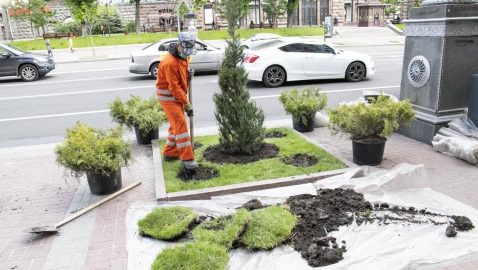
142 138
366 153
299 126
104 184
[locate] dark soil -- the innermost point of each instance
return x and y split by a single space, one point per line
198 145
215 154
275 134
253 205
300 160
203 173
332 208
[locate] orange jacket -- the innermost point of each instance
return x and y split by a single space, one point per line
172 76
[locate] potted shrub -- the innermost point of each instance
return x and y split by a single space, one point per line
303 105
369 124
145 116
97 153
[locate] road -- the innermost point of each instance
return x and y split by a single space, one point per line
39 112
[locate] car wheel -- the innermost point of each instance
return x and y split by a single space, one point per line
274 76
154 70
355 72
29 73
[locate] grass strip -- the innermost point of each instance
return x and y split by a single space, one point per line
194 256
223 231
268 228
271 168
167 223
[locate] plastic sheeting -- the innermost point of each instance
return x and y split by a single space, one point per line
369 246
459 140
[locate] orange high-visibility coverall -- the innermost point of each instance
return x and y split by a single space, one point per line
171 90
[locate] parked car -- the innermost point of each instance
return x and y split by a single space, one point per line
146 60
279 61
29 67
259 39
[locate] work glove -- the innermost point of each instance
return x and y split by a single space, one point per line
189 109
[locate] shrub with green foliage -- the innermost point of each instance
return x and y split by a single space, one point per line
238 118
371 122
269 228
303 104
137 112
87 150
193 256
223 231
167 223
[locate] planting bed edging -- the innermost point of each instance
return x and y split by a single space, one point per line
207 193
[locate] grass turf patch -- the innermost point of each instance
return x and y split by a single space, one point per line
167 223
223 231
194 256
120 39
271 168
268 228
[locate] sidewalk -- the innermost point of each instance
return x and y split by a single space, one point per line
35 192
345 36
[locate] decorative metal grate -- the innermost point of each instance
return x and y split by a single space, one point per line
418 71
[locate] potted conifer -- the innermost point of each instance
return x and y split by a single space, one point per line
97 153
369 124
145 116
303 105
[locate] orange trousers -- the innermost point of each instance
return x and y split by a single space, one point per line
178 143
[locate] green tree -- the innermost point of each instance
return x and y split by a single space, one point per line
274 8
238 118
85 11
136 15
392 8
36 12
291 7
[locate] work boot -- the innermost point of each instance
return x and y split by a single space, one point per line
190 165
169 158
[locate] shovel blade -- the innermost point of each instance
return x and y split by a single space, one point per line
43 229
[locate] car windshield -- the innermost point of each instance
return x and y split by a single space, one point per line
268 44
15 50
149 46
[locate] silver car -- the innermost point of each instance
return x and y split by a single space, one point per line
146 60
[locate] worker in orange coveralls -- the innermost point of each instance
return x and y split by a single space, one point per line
171 90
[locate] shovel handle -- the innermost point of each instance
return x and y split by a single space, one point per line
190 96
96 204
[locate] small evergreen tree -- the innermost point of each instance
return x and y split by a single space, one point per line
239 119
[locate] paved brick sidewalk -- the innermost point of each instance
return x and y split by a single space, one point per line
34 192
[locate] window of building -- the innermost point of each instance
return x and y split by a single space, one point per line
309 12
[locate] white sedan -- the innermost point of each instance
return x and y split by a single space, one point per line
278 61
146 60
259 39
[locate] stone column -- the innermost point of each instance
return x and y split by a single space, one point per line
441 54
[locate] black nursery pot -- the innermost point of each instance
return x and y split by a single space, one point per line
104 184
142 138
299 126
365 153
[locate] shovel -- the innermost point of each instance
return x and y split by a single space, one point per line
188 173
54 228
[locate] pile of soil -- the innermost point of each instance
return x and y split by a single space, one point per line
275 134
332 208
300 160
198 145
215 154
202 173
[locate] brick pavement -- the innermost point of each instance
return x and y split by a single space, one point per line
34 192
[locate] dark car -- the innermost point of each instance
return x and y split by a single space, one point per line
29 67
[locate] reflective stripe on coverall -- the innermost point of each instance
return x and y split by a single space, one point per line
171 91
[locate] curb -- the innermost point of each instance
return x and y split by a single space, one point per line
394 28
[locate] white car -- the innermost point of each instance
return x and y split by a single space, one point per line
146 60
259 39
279 61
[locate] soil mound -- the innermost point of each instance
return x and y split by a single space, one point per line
275 134
300 160
215 154
198 145
202 173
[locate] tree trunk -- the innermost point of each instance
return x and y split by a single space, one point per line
137 19
90 32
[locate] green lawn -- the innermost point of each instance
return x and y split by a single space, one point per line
260 170
400 26
80 42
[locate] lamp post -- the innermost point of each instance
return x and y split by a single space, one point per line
108 18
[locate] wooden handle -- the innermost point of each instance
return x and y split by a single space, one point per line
96 204
191 122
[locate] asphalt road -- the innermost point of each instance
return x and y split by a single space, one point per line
39 112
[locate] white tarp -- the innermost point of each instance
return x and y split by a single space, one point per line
369 246
459 140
